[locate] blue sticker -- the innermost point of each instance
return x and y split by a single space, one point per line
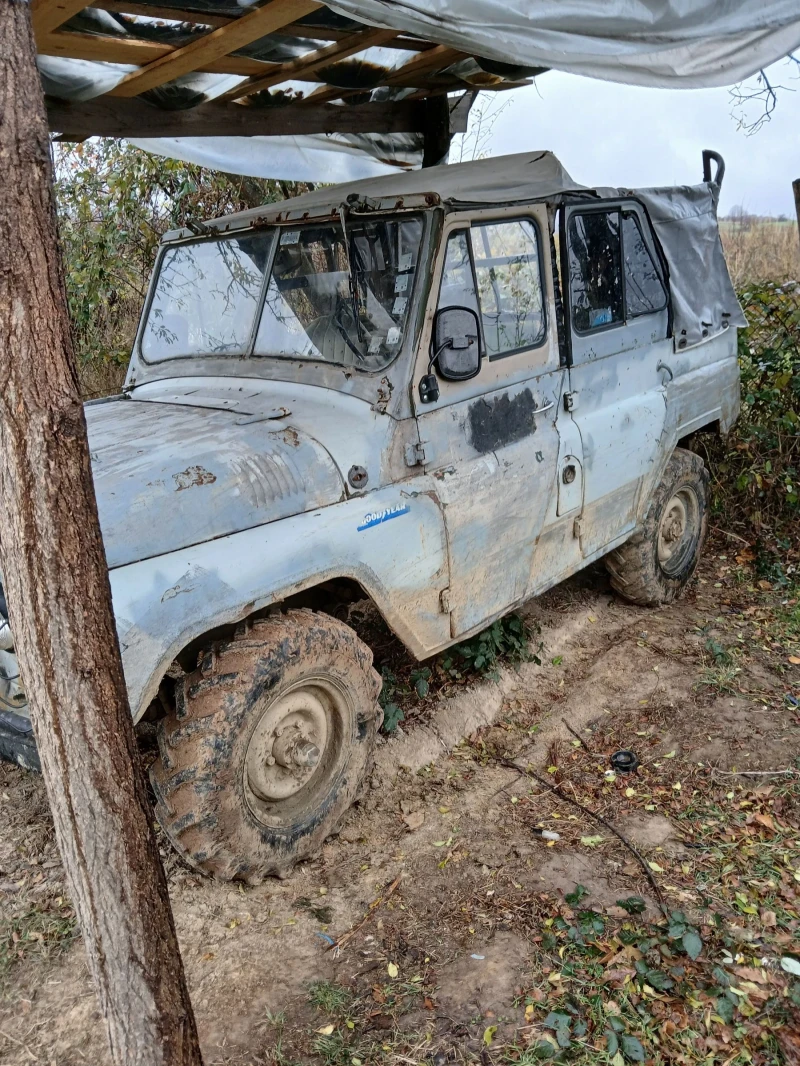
375 518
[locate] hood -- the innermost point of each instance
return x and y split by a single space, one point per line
168 476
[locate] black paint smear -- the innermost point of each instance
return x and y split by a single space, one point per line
493 423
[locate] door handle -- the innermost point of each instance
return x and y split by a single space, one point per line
663 366
541 410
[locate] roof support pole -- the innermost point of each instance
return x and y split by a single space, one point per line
796 191
437 131
56 579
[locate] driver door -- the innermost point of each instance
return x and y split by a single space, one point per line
492 442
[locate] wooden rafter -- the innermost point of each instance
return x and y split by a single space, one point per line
413 73
105 117
101 49
212 46
48 15
165 11
356 42
293 29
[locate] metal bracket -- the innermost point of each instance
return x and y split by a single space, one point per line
415 454
444 601
570 401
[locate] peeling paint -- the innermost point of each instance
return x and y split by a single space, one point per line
193 475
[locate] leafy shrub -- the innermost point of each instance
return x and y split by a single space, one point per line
508 640
757 470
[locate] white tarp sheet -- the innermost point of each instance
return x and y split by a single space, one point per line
682 44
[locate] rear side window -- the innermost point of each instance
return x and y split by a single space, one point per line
612 274
644 291
595 270
494 268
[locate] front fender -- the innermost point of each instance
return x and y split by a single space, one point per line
392 542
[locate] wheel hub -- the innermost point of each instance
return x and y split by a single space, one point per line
675 531
288 745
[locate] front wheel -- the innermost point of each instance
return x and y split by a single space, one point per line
656 564
268 745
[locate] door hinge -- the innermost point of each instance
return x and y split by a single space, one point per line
415 454
570 401
444 601
577 529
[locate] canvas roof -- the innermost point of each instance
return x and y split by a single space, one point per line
498 180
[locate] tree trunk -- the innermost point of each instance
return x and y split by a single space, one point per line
796 191
60 604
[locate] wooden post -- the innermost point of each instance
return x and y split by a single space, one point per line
437 131
59 601
796 191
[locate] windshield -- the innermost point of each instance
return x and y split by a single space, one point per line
206 298
336 293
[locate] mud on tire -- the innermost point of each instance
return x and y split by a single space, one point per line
655 565
238 790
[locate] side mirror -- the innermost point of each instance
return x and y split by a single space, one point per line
457 343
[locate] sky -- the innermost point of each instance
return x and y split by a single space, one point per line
610 134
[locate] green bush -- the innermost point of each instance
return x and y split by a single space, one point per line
757 470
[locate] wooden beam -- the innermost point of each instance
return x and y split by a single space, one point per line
294 29
104 117
97 48
214 45
48 15
356 42
414 73
173 14
424 64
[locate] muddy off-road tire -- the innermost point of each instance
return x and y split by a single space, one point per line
268 745
655 565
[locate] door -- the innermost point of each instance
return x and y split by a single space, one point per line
617 304
492 442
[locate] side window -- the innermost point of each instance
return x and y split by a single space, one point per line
503 258
509 286
644 290
595 270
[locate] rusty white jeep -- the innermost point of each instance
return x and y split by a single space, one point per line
444 391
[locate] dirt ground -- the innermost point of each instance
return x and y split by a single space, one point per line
459 944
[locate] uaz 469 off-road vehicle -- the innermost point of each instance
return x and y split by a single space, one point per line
444 391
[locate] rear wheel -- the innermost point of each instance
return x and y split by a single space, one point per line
268 745
656 564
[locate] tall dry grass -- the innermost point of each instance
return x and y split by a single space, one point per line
760 250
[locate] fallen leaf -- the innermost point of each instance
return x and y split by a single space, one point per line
392 970
769 919
616 912
630 792
669 755
326 1030
794 660
488 1034
414 820
592 842
654 866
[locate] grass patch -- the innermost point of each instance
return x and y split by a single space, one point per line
34 933
508 641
